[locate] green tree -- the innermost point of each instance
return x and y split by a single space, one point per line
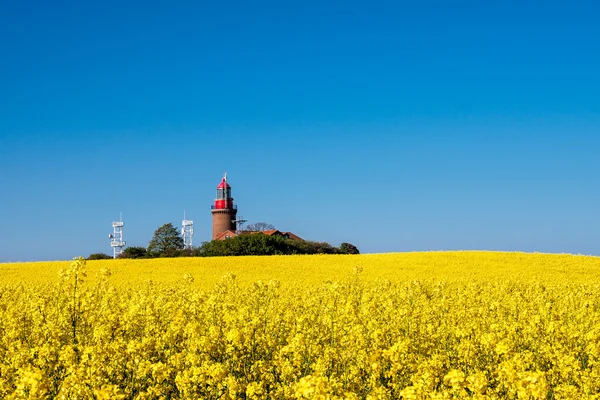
166 242
347 248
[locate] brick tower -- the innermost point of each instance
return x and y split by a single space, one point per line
223 211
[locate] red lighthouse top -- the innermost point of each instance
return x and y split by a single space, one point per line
224 200
224 184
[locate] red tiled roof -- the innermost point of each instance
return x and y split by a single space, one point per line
272 232
225 234
292 236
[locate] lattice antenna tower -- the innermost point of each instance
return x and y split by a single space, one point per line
187 231
239 223
116 238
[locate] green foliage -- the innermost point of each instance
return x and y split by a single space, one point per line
259 244
309 247
134 252
244 245
184 253
347 248
99 256
166 242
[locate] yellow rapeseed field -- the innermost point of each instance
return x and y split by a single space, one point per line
442 325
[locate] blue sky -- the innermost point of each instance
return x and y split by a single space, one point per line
394 126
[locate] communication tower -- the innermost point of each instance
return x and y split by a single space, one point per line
187 231
116 238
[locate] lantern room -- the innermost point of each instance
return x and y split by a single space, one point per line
224 200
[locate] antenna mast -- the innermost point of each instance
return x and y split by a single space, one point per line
187 231
116 238
239 223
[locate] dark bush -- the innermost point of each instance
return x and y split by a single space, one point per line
260 244
347 248
99 256
134 252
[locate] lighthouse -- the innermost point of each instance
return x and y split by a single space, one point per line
223 211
